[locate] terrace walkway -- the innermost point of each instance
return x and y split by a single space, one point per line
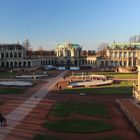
18 114
131 110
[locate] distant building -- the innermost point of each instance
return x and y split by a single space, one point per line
121 55
70 54
15 55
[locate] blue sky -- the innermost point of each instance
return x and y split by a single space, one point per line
87 22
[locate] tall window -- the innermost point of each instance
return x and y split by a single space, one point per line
19 54
116 54
125 63
130 54
111 54
7 55
120 54
11 55
125 54
15 54
134 54
120 63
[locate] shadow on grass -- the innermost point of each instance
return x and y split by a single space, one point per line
78 126
102 90
9 90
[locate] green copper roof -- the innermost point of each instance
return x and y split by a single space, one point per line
125 45
66 45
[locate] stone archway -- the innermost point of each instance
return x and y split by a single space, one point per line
7 64
29 64
11 64
19 64
15 64
24 64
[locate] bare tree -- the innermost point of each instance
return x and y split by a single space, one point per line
102 46
135 38
101 50
26 44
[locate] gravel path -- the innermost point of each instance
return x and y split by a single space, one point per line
18 114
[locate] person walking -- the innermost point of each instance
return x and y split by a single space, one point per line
1 118
4 121
60 88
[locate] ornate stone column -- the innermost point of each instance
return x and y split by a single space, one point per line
138 75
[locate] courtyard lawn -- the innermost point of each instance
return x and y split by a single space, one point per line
12 90
85 108
124 87
118 75
79 126
8 74
45 137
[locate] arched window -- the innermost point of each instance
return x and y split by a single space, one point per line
29 64
125 54
11 64
11 55
2 55
116 63
7 55
75 63
125 63
130 63
120 63
116 54
19 64
15 64
2 64
83 61
7 64
102 63
15 55
106 63
120 54
46 62
24 64
19 54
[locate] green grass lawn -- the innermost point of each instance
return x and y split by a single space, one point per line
118 75
124 87
8 74
12 90
85 108
45 137
78 126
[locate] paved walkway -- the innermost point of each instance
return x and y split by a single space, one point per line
18 114
131 110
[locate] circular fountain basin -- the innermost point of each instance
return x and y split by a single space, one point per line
31 76
90 83
16 83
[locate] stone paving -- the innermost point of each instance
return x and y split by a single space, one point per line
131 110
18 114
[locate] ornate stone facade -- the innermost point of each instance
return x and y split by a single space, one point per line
69 54
121 55
13 55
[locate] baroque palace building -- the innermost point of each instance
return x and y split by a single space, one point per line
121 55
70 55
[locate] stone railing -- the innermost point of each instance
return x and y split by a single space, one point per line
136 92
